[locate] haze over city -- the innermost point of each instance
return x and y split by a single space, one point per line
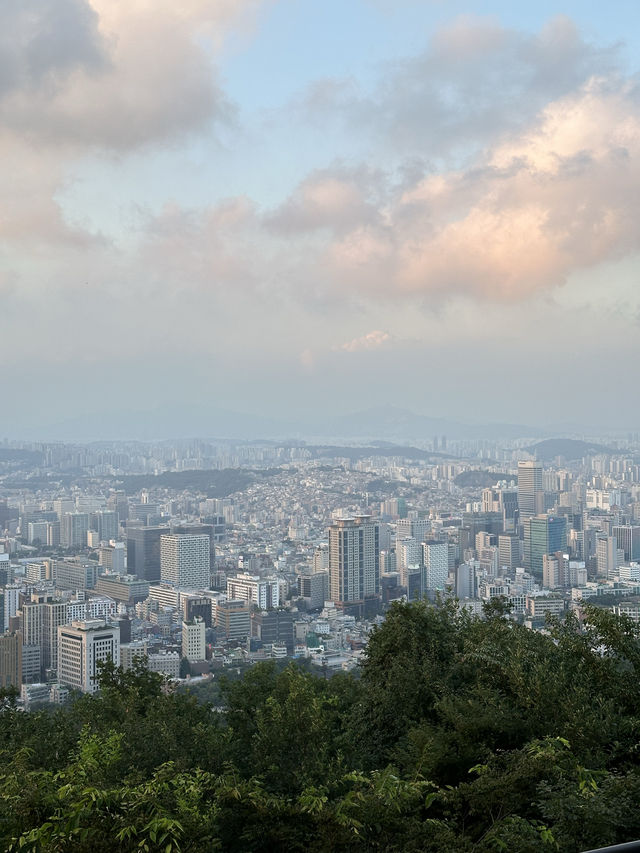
297 210
319 446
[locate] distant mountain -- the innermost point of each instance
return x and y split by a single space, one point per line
381 424
390 422
569 448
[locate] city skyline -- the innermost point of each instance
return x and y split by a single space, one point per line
285 209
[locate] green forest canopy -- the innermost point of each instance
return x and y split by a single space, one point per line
459 735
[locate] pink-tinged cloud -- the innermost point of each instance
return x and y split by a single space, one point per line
372 340
334 199
534 208
558 198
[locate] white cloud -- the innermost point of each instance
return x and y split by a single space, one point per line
372 340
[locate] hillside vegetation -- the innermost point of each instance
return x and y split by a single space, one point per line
459 735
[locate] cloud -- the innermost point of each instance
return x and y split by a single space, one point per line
41 44
475 80
80 78
536 201
556 197
337 199
110 74
372 340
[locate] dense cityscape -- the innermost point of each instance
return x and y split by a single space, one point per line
319 466
200 556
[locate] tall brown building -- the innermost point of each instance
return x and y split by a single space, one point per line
11 660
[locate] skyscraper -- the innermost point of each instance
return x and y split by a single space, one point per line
543 534
436 565
193 640
143 551
509 551
185 560
10 660
106 523
628 536
354 559
608 555
530 491
465 581
73 529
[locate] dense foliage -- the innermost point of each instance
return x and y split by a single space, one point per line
459 735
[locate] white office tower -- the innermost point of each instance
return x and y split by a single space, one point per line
354 559
530 491
10 597
435 556
193 640
82 646
408 556
185 560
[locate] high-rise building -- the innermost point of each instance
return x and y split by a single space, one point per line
193 640
314 589
31 664
106 524
233 619
196 606
509 551
354 559
413 528
435 557
555 571
273 626
11 660
37 532
408 557
504 501
465 581
543 534
185 560
530 491
143 551
82 646
628 537
199 529
53 534
73 529
10 600
119 502
476 522
112 558
608 555
40 620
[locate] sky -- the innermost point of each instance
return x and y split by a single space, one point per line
297 209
